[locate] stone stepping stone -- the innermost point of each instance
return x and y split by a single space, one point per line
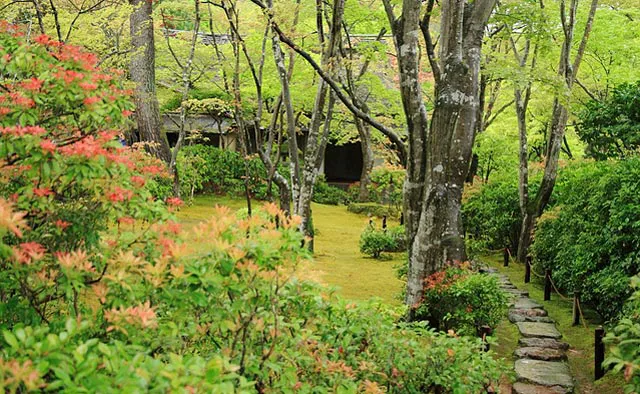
541 353
520 317
543 342
526 388
529 312
526 303
538 330
544 373
520 293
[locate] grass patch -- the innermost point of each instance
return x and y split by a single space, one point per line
337 261
580 338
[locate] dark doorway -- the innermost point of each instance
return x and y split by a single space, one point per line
343 163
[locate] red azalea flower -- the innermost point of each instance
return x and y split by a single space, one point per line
174 201
88 86
43 192
120 195
61 224
32 84
91 100
48 146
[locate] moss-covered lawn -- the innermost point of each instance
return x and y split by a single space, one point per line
337 261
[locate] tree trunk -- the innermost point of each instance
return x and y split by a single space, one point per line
367 159
568 71
142 71
439 156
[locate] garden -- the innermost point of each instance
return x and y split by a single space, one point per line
250 196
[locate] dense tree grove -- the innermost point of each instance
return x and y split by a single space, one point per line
477 125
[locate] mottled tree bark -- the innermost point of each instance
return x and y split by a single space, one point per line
439 155
364 133
142 72
318 136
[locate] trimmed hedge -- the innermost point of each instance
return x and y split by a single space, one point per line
591 239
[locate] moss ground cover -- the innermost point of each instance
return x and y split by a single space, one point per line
337 261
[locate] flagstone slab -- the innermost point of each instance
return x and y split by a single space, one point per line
520 293
529 312
521 317
541 353
544 373
526 388
543 342
538 330
526 303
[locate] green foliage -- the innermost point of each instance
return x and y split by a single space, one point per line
625 342
373 209
590 239
373 241
491 214
386 187
211 106
205 168
611 127
330 195
462 300
101 293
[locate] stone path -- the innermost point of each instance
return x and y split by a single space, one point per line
541 366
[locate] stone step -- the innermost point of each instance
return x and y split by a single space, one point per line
526 303
538 330
526 388
521 317
516 292
544 373
543 342
541 353
529 312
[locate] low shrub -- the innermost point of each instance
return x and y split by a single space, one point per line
375 241
399 237
458 298
373 209
330 195
624 340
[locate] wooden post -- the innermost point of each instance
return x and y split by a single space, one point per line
506 256
527 270
547 285
576 308
485 331
599 352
